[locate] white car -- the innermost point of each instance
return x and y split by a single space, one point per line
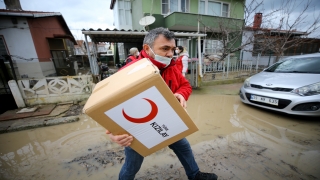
291 86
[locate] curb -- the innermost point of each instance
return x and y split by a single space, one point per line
23 125
219 82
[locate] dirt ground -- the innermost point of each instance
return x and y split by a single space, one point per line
234 140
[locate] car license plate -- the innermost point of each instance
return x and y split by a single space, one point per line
265 100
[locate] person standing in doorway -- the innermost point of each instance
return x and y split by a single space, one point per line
158 47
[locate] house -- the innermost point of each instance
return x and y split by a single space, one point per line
33 45
268 45
204 16
37 43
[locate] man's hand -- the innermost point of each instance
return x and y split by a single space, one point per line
181 99
123 140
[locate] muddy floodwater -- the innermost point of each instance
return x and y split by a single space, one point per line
234 140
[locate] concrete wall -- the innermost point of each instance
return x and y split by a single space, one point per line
246 53
137 14
146 6
54 89
47 68
20 46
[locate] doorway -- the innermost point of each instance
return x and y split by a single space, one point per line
63 65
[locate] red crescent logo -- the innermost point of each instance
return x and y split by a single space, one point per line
152 114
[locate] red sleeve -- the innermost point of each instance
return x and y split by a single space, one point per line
185 88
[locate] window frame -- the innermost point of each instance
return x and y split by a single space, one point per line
221 7
127 21
187 7
217 49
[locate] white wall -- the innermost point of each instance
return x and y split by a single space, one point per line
246 52
263 60
20 46
116 15
47 68
31 69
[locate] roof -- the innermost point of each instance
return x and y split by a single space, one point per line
7 12
41 14
127 36
279 31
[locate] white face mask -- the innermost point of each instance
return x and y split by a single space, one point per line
161 59
177 51
137 54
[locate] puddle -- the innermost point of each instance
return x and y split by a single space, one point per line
235 141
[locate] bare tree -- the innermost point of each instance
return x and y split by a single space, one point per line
229 31
290 31
278 31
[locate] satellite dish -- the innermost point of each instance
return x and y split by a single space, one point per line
147 20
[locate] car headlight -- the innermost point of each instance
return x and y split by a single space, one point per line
246 83
309 90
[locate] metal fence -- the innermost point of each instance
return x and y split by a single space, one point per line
221 70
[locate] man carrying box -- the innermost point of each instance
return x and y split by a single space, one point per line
158 47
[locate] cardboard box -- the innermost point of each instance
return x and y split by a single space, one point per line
137 101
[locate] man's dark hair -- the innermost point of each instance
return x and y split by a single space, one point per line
154 33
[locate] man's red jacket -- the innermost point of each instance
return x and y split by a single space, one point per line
170 74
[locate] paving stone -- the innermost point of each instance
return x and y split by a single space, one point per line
44 110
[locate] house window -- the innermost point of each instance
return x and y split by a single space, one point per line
213 46
214 8
170 6
125 12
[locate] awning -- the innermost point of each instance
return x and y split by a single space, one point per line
128 36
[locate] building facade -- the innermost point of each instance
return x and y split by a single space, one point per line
204 16
37 43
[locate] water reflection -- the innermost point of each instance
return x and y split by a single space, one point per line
25 152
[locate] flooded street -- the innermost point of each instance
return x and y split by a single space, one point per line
234 140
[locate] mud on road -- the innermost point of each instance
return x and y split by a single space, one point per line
230 160
234 140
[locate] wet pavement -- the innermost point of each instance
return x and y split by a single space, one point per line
235 141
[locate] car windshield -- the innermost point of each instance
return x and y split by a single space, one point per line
297 65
